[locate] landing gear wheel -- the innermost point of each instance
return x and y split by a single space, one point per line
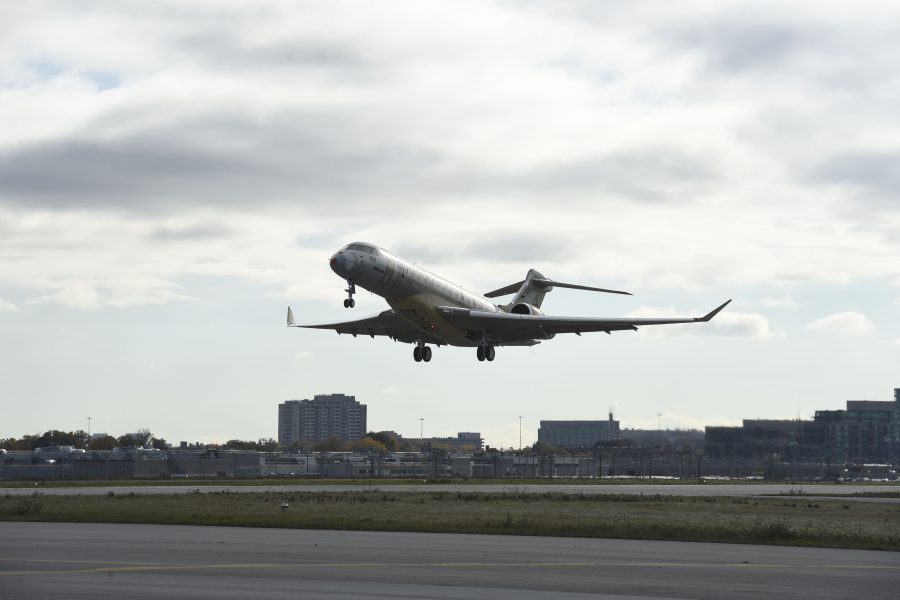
489 353
351 289
417 354
480 353
426 354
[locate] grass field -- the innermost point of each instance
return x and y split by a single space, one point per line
838 523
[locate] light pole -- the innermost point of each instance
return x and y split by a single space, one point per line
421 455
520 432
659 428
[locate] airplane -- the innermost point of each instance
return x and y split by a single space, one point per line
427 310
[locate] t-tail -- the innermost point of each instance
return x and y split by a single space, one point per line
531 291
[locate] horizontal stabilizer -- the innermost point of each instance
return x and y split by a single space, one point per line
515 287
574 286
505 291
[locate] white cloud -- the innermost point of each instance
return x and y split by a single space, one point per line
725 324
743 325
146 151
121 292
73 295
7 306
846 323
785 302
478 116
303 356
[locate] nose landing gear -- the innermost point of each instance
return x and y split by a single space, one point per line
422 353
349 302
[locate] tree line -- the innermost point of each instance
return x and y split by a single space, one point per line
376 441
80 439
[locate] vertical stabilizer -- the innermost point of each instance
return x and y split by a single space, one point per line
531 291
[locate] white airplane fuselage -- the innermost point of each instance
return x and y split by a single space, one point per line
427 310
411 291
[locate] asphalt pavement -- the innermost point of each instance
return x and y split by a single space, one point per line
78 560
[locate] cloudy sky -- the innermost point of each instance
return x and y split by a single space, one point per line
174 174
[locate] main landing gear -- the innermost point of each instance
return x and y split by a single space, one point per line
422 353
486 353
349 302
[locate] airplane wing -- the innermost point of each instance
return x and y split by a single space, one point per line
388 323
508 328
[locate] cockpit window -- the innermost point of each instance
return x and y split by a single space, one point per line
362 248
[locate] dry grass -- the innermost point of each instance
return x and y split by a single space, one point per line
838 523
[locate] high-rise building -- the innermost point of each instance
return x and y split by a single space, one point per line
325 416
867 431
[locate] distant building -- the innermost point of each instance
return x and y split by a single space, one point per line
578 434
789 439
867 431
466 441
472 438
677 439
325 416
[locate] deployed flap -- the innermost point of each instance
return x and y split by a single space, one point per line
388 323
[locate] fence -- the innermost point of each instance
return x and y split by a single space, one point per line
428 465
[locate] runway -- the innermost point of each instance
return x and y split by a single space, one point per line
56 560
675 489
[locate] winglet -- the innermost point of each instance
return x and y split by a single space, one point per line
290 318
712 313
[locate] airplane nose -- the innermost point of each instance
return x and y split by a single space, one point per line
338 263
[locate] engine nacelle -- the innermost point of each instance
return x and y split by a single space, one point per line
529 309
525 309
